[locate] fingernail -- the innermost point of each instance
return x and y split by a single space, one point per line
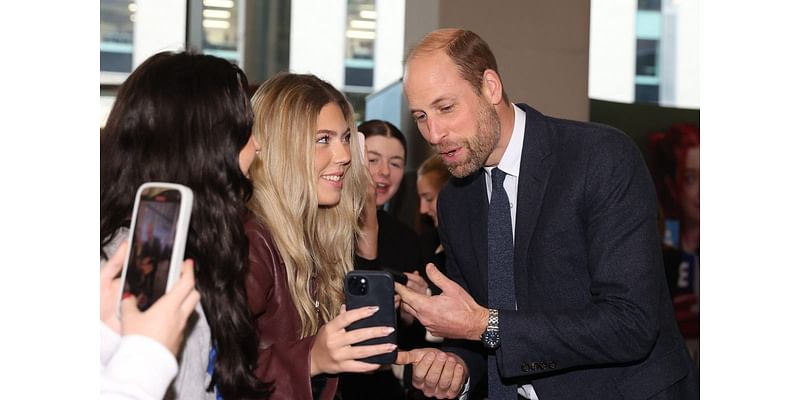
389 330
374 308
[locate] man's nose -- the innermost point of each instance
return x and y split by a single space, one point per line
435 131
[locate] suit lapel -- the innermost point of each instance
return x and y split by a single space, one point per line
536 163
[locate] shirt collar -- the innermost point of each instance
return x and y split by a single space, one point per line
510 161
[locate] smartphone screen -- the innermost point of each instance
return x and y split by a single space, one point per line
152 242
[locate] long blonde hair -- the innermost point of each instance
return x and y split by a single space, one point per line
316 243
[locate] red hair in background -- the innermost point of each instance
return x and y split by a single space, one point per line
668 158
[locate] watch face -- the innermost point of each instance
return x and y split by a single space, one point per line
491 339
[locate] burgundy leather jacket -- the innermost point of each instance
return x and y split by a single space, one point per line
284 358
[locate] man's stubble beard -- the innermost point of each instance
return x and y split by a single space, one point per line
480 146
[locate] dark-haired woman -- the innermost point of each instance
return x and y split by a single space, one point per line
186 118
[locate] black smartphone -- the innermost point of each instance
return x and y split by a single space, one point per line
373 288
398 276
159 227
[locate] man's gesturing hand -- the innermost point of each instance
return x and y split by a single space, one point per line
452 314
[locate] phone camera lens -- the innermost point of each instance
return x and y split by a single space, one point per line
362 287
357 285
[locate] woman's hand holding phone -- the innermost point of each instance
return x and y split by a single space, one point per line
333 352
165 320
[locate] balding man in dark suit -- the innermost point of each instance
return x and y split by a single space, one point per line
555 286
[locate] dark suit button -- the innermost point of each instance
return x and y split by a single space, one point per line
525 367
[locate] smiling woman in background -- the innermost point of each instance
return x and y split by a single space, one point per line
398 251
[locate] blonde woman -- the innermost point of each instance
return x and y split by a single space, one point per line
309 183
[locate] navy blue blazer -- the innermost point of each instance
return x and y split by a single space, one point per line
594 317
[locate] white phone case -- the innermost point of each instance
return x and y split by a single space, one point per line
178 246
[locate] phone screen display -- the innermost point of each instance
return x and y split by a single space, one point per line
152 241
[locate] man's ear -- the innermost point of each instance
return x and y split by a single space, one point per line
492 87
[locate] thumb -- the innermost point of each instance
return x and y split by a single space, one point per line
404 357
409 357
439 279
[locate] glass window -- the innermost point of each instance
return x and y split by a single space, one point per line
647 93
360 42
646 57
654 5
221 29
116 35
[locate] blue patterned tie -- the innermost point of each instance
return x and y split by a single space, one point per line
501 273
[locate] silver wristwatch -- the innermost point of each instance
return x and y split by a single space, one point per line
491 336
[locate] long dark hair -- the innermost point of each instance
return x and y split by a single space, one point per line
184 118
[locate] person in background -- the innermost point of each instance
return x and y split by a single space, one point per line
399 251
310 187
432 175
185 118
398 244
675 157
137 352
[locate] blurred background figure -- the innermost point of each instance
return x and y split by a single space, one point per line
398 244
431 177
398 252
675 156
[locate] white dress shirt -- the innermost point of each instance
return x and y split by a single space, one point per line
509 164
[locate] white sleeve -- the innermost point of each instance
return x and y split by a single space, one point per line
109 342
465 391
141 369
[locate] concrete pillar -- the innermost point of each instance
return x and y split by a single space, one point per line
542 48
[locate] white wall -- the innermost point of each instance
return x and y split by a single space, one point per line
160 25
389 36
317 40
612 50
687 68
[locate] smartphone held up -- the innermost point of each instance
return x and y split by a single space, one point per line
159 227
373 288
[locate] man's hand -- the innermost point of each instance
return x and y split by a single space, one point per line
452 314
417 284
436 373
